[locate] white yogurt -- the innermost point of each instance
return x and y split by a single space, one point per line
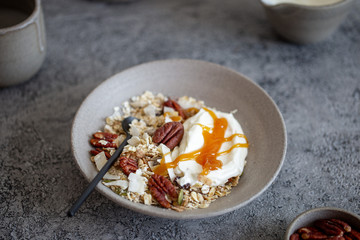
232 163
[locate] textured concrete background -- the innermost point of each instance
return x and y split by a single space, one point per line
316 87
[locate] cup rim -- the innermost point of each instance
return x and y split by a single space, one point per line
29 20
332 5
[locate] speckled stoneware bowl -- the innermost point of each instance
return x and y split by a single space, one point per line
309 217
219 87
306 24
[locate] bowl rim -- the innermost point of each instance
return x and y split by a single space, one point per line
164 213
309 7
313 210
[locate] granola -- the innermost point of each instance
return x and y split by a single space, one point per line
143 173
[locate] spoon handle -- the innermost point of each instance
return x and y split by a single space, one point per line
97 178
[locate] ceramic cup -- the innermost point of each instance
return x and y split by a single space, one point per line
22 40
302 21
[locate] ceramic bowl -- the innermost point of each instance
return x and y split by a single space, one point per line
307 218
22 40
219 87
306 24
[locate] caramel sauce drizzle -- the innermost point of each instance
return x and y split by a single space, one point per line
206 156
192 110
174 118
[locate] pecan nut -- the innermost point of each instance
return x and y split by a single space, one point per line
99 150
295 236
160 197
307 230
311 233
329 228
174 105
105 136
169 134
160 186
355 235
127 165
102 143
314 235
104 140
341 224
336 238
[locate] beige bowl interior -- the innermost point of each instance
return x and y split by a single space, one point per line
219 87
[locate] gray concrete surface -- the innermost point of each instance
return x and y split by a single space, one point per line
317 88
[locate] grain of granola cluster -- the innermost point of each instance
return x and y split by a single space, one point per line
132 176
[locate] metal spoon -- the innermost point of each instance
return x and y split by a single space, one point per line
126 127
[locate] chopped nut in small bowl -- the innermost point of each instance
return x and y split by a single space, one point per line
207 140
324 223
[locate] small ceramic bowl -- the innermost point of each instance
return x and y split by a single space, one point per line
305 24
307 218
221 88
